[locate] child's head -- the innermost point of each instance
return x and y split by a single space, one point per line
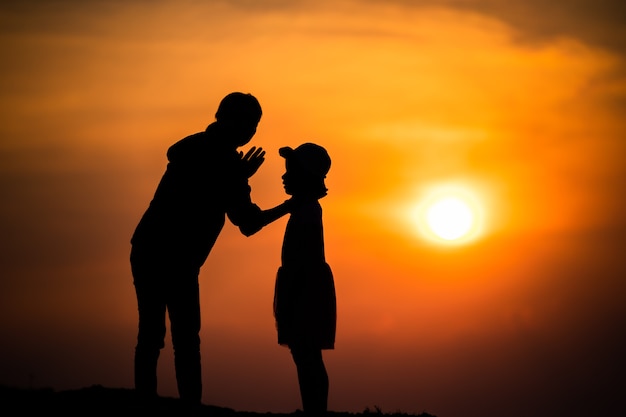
307 166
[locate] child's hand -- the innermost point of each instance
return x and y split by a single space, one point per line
252 160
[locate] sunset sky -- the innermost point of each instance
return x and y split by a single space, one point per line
519 105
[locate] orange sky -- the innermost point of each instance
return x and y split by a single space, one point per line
519 103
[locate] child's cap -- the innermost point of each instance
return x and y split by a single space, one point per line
309 156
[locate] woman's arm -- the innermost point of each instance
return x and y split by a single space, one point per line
262 218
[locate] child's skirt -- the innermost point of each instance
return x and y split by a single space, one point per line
305 307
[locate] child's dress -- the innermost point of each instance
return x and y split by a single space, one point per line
304 298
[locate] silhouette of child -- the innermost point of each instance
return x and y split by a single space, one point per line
304 298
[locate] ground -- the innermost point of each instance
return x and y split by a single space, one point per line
98 401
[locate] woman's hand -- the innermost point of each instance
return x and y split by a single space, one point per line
252 160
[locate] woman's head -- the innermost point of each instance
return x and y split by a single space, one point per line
240 114
306 168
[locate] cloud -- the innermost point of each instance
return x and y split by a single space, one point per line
599 22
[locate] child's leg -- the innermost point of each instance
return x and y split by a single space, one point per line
312 378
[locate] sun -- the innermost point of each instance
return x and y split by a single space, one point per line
450 218
449 215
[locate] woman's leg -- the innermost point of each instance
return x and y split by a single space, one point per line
150 339
148 280
184 313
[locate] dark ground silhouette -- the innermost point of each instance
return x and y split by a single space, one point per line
101 401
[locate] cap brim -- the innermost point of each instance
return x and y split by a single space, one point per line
285 152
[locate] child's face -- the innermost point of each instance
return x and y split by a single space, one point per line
294 181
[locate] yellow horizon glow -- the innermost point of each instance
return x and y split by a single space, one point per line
449 214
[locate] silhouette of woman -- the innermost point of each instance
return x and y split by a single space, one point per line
304 298
205 182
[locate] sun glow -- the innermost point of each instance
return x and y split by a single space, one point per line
449 215
450 218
